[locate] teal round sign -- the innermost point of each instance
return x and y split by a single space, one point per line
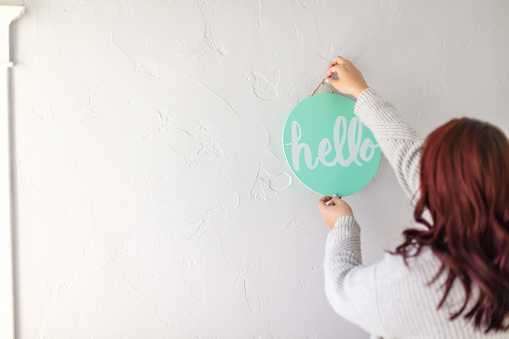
328 148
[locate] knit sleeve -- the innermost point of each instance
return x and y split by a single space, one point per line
400 143
351 287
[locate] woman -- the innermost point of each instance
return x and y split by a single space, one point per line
449 279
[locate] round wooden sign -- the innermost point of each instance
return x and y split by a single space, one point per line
328 148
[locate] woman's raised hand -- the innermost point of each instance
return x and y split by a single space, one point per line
350 79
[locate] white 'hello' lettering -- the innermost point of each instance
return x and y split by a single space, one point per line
355 147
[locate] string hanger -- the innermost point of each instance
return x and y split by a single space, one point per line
321 83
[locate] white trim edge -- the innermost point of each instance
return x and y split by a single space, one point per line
7 320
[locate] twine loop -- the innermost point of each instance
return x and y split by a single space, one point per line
321 83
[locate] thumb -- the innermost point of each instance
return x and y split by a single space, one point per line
336 200
333 82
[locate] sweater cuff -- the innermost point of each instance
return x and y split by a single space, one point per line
345 234
366 100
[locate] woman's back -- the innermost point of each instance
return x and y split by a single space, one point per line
404 296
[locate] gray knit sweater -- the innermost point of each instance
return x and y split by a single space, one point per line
389 299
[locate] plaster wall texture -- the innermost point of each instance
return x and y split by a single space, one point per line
152 196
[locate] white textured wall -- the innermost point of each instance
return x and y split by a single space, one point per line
153 199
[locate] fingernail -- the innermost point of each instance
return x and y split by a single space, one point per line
326 80
335 195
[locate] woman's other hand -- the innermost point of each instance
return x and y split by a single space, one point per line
336 209
350 79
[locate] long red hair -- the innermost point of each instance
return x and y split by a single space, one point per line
465 187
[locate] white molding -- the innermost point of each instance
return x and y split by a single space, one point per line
7 325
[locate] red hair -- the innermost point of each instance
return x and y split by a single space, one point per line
465 187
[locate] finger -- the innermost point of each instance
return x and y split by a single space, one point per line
322 202
331 203
337 60
332 70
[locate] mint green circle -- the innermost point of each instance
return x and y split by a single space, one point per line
317 116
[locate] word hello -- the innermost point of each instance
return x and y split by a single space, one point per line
355 147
